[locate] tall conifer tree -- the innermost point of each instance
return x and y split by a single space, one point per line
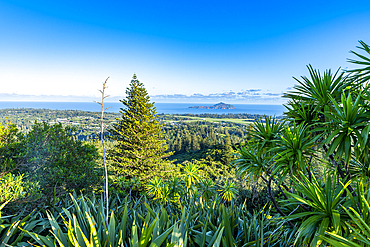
227 151
140 144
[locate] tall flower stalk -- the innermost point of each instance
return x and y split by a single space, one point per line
103 96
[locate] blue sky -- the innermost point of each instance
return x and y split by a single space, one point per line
198 50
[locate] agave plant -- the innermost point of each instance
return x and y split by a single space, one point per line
136 226
10 234
86 227
139 224
242 228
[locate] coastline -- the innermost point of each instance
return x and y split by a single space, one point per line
166 108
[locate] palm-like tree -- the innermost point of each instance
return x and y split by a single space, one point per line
302 112
294 151
252 157
228 190
176 186
339 118
266 131
359 166
362 75
318 88
251 162
359 223
347 124
321 207
191 174
154 188
207 188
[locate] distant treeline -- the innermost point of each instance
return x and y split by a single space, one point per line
199 135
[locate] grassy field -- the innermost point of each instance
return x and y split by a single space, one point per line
213 120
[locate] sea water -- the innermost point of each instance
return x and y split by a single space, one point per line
166 108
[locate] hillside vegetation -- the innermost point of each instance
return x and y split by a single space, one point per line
298 180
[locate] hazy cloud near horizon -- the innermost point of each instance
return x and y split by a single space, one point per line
245 96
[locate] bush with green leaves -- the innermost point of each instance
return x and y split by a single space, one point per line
9 147
14 186
59 161
17 188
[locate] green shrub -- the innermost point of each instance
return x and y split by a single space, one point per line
58 160
9 147
16 187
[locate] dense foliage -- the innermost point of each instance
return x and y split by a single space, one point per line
197 135
45 163
318 158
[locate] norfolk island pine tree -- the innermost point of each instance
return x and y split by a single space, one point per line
141 146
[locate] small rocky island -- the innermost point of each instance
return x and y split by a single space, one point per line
220 105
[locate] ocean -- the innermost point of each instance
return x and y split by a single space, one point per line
166 108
